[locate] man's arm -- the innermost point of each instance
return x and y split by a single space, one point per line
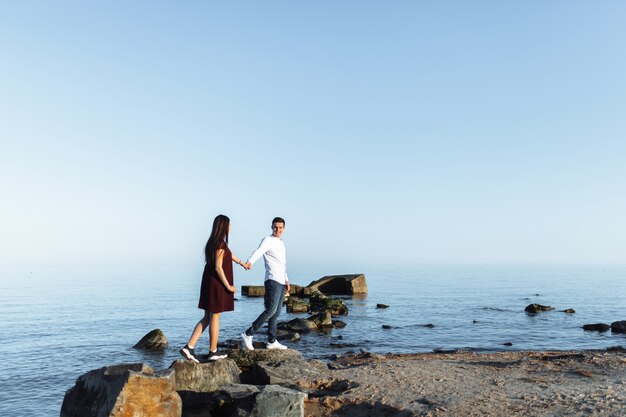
258 252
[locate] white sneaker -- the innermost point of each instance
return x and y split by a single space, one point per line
247 341
276 345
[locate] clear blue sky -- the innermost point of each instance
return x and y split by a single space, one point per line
411 132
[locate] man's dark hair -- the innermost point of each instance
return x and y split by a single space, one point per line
278 220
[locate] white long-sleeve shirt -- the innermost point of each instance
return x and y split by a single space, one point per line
273 251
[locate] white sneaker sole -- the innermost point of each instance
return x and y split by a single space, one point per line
217 358
245 343
281 347
188 356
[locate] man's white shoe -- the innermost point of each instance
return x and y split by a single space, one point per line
276 345
247 341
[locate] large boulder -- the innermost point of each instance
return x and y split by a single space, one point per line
259 290
258 401
154 340
536 308
618 326
286 372
129 390
245 359
194 381
253 290
338 284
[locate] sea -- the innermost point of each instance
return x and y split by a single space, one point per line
57 323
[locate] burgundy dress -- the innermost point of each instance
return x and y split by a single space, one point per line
214 296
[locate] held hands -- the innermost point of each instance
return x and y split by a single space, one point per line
247 266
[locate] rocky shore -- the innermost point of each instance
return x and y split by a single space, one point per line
284 383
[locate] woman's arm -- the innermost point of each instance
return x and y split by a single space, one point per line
219 258
238 261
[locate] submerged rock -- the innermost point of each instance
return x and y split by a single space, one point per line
339 324
194 381
597 327
324 319
289 337
121 391
382 306
536 308
338 284
568 311
297 325
154 340
618 326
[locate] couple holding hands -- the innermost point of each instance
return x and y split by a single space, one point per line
217 292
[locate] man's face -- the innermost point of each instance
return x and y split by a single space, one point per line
278 229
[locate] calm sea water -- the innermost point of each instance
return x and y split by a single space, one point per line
59 322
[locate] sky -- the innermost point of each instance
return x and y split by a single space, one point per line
400 132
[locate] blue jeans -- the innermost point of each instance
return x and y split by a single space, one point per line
274 296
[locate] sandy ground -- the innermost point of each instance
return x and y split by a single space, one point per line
590 383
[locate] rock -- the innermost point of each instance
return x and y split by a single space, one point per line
320 302
382 306
259 401
507 344
324 319
597 327
429 325
569 311
286 372
245 359
386 326
338 284
296 290
154 340
194 381
535 308
618 326
259 290
297 305
121 391
290 337
297 325
342 345
253 290
339 324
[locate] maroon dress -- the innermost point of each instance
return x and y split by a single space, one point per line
214 296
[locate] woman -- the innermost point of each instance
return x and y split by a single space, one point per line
217 292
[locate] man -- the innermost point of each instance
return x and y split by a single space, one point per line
272 249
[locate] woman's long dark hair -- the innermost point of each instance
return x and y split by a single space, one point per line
219 237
